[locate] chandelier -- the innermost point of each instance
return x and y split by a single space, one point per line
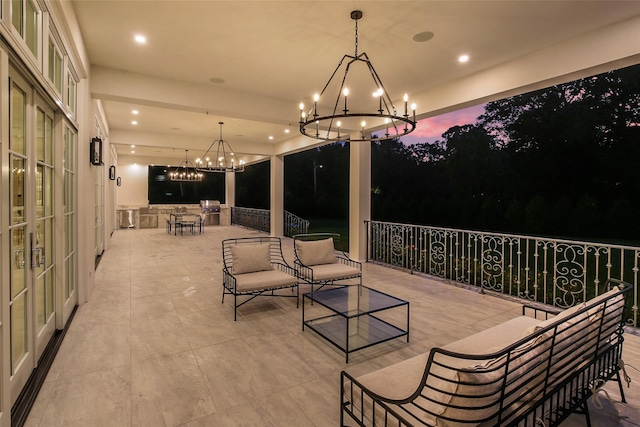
345 122
186 172
224 161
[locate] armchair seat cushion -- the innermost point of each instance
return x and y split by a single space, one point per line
261 280
332 271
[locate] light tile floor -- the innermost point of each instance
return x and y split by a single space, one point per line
154 346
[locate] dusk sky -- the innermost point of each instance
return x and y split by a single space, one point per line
431 129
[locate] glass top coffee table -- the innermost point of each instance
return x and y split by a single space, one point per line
355 317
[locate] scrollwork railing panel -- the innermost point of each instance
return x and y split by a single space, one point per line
557 272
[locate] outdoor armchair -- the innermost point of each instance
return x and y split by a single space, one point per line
255 266
320 260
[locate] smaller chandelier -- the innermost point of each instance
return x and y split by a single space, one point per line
224 161
186 172
350 117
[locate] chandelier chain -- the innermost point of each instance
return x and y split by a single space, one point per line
356 55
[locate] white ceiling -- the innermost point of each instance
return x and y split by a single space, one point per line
250 63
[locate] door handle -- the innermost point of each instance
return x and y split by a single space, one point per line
19 258
37 253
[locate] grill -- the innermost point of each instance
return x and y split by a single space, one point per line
210 211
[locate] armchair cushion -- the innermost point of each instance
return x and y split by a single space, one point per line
251 258
261 280
336 270
315 252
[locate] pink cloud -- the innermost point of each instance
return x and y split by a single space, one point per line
431 129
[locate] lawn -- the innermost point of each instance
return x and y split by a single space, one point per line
324 225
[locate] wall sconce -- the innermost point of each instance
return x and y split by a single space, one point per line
112 173
119 182
95 151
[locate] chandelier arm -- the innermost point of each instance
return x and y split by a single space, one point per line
344 79
217 160
329 81
204 156
386 99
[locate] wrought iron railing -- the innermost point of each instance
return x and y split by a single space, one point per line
260 219
257 219
556 272
293 225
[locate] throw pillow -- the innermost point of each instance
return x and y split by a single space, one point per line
316 252
251 258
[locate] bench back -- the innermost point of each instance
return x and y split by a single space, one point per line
546 365
275 249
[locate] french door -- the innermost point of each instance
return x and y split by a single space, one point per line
32 241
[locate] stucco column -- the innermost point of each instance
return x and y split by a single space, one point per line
277 195
359 197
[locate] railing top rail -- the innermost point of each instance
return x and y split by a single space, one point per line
513 236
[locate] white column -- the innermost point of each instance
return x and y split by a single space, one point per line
359 197
277 195
230 189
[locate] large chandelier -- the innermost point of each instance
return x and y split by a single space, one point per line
186 172
224 161
345 121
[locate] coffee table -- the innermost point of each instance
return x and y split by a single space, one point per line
351 317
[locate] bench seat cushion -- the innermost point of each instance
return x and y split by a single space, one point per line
401 380
270 279
333 271
495 338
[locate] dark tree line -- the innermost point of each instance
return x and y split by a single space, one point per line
563 161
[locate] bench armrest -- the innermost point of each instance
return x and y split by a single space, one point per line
539 312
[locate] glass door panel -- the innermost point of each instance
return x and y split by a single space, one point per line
70 296
19 267
42 252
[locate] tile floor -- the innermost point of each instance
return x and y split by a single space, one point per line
154 346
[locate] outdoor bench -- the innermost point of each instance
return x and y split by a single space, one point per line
524 372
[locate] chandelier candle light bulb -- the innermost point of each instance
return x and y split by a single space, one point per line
379 93
346 93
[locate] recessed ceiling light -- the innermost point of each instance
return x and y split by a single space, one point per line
286 131
270 136
463 58
133 146
139 38
133 122
133 151
134 111
424 36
